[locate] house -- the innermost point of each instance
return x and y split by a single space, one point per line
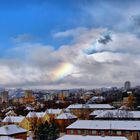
65 119
32 118
36 118
130 129
42 117
82 111
53 113
118 115
80 137
13 131
18 120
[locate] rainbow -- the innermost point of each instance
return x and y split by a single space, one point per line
63 70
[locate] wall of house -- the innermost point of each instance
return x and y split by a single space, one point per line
25 124
22 136
131 135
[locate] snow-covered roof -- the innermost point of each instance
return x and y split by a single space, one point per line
31 115
8 130
92 106
11 113
66 116
14 119
8 138
35 114
80 137
40 114
119 114
97 112
105 125
53 111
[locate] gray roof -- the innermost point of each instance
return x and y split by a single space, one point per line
8 130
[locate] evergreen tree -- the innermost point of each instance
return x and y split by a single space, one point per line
47 131
54 131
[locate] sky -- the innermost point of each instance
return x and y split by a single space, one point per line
69 43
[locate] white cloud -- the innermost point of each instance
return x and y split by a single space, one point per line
122 42
109 65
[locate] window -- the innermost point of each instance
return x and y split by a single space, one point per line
127 132
119 132
102 132
79 132
94 132
114 132
71 132
86 132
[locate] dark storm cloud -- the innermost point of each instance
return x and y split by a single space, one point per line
105 39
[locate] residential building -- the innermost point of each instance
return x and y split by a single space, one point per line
129 129
116 115
127 85
65 119
36 118
53 113
18 120
13 131
82 111
4 96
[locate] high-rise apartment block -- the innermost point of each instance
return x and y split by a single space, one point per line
4 96
127 85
